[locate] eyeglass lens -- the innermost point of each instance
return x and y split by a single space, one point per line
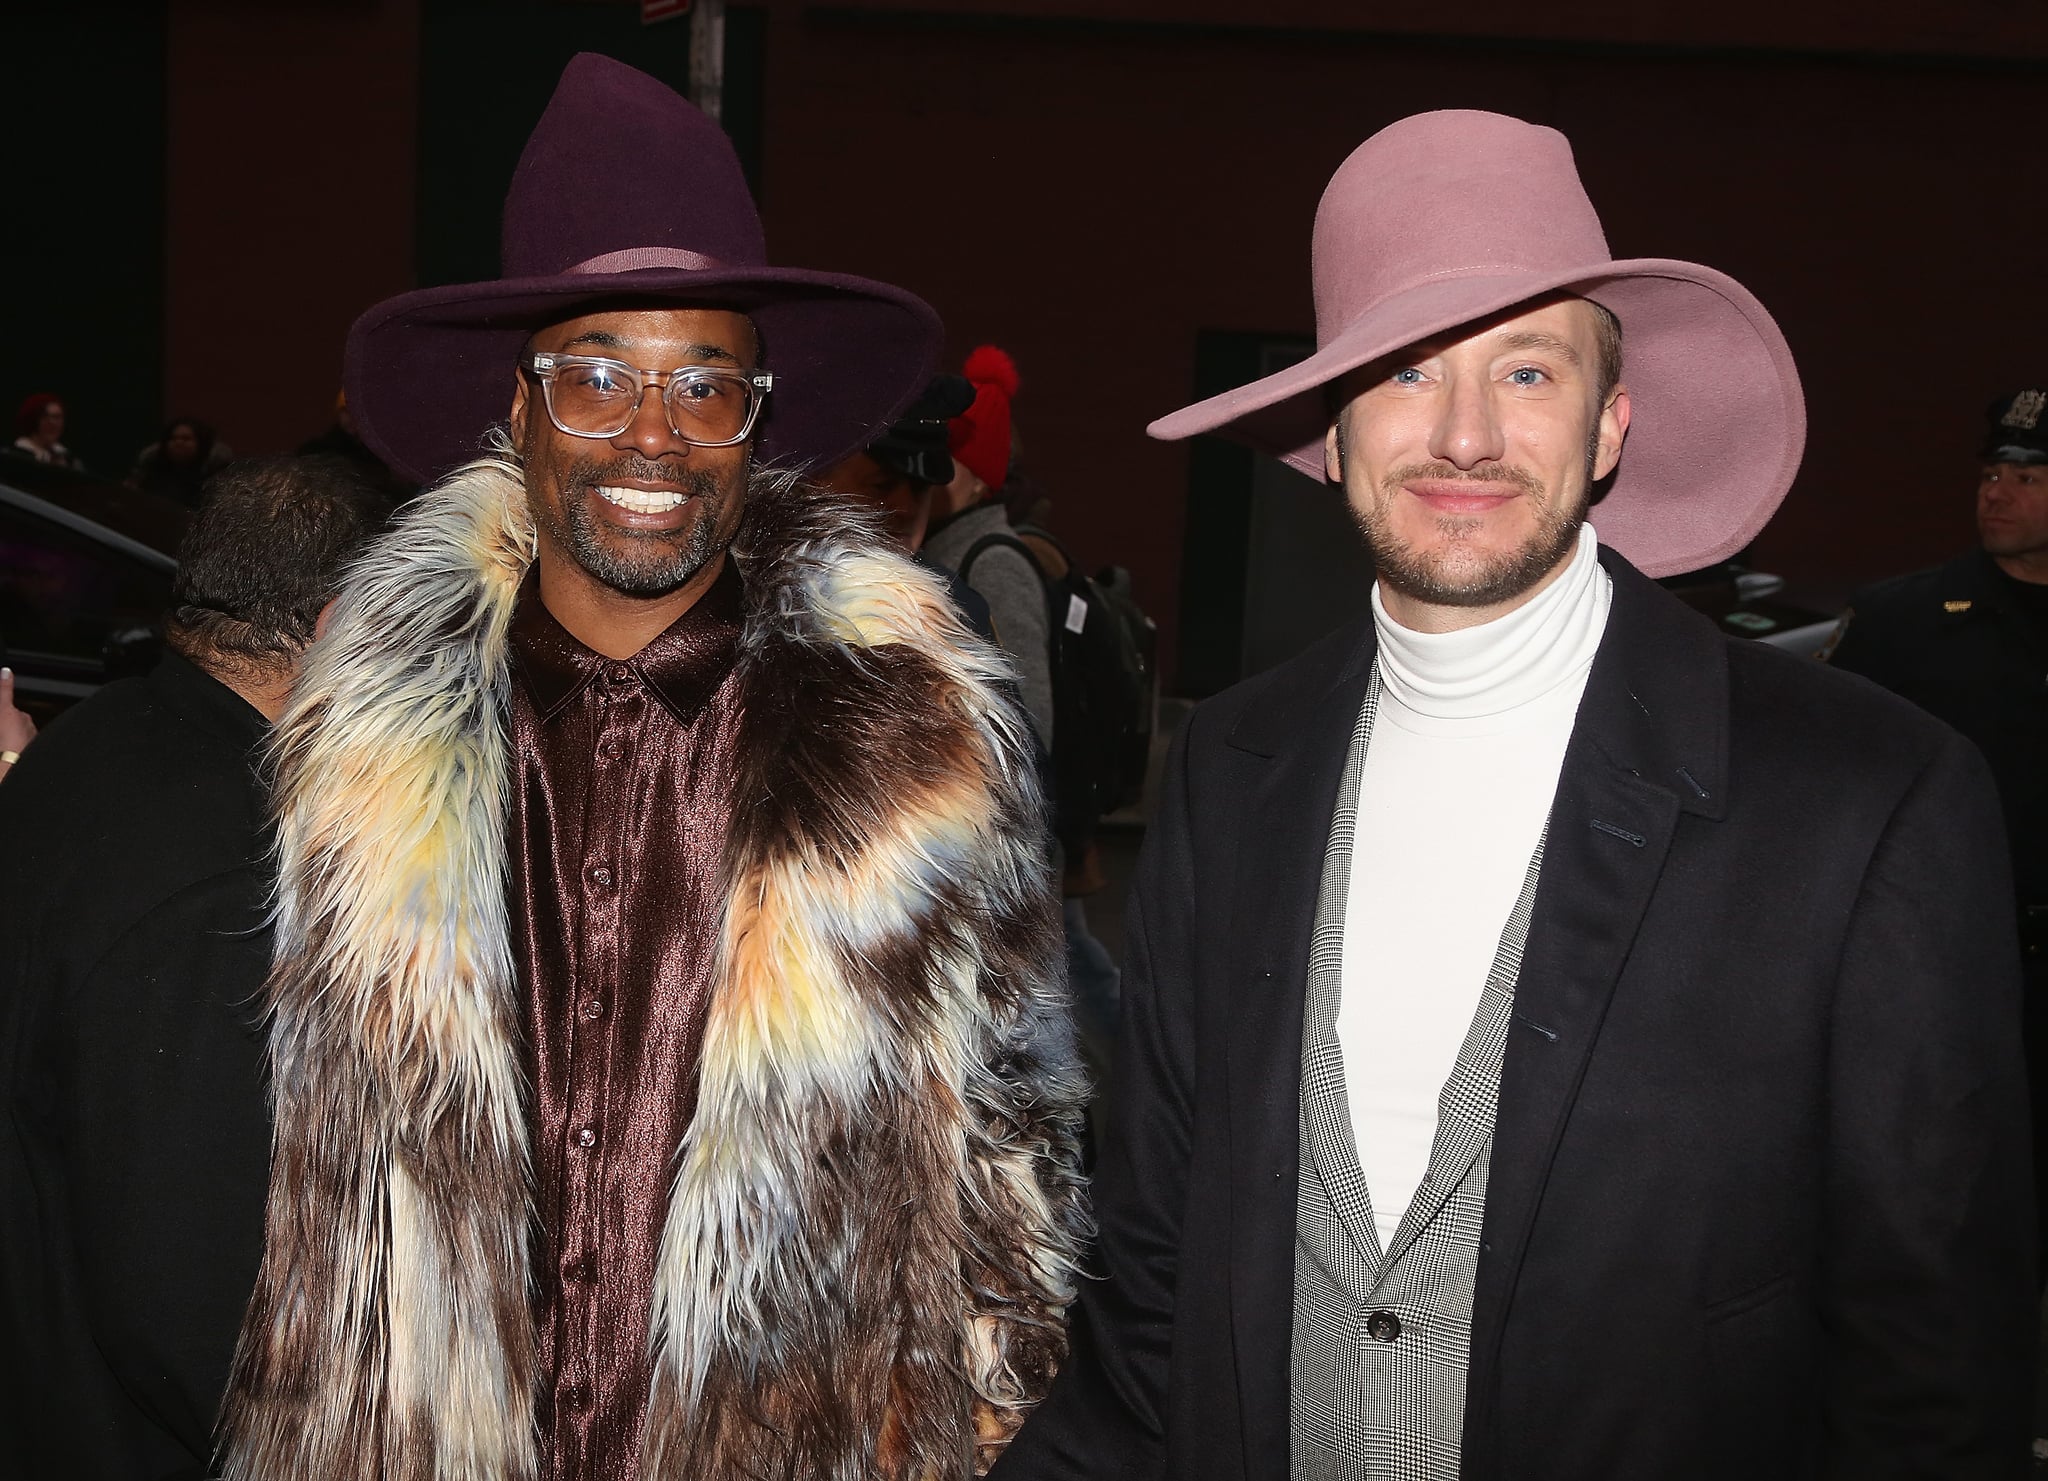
599 401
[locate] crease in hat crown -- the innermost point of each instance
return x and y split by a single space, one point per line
1495 211
627 192
565 206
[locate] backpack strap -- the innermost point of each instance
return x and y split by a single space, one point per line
1045 547
1000 537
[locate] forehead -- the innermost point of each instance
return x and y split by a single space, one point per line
656 338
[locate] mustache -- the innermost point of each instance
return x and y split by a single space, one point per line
1521 478
588 473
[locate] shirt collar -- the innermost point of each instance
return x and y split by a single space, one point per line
683 665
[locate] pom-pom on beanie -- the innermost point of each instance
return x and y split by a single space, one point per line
980 436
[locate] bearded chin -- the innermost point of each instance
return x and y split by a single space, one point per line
1454 574
652 564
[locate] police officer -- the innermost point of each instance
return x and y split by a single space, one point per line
1968 641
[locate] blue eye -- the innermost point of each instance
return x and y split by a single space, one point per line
1527 376
1409 376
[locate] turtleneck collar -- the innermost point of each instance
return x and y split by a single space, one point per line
1541 650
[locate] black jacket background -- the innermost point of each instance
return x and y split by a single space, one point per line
1953 640
1759 1201
134 1148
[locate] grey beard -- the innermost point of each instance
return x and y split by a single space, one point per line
656 562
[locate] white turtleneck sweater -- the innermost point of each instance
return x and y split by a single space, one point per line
1459 778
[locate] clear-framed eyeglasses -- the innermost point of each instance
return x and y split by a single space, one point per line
590 396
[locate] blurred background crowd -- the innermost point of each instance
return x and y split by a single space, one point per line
1116 193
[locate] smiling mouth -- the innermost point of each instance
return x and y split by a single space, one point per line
642 501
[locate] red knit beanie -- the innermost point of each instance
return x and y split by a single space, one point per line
980 436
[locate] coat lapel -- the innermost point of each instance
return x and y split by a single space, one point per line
1303 732
1650 745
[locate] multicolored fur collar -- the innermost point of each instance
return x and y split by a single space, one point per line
873 1233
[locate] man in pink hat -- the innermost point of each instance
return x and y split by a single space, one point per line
666 1033
1558 1042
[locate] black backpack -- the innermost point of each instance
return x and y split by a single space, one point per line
1104 685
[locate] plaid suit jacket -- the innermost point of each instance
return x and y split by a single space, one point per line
1381 1336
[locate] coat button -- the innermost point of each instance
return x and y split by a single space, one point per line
1383 1326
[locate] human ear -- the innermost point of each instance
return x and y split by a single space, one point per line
1613 431
520 403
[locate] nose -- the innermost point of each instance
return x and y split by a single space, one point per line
650 433
1467 433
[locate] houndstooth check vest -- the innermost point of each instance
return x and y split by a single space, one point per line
1377 1377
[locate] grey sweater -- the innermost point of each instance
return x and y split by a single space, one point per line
1008 581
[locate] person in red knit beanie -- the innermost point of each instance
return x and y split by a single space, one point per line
965 524
980 436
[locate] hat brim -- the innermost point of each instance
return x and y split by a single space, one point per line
430 372
1718 424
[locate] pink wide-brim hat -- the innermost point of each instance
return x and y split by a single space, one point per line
1449 219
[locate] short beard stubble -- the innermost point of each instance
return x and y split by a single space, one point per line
1444 581
650 563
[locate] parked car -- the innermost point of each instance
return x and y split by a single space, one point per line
85 580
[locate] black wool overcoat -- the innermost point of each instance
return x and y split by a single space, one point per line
1759 1201
134 1142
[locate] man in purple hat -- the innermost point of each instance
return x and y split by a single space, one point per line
1558 1042
666 1028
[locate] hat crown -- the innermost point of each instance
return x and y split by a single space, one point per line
619 161
1452 194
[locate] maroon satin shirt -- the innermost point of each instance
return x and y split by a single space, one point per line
618 821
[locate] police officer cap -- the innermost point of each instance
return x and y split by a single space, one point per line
2019 429
916 446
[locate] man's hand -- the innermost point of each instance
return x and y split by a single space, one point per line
16 729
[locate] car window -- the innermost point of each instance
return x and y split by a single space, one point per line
63 594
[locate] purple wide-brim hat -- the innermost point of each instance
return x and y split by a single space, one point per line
627 195
1450 219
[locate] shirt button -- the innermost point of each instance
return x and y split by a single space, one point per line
1383 1326
621 675
575 1396
593 1009
586 1136
611 750
576 1272
601 875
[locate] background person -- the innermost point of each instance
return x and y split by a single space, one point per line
180 461
1967 641
17 728
134 887
39 431
895 476
965 512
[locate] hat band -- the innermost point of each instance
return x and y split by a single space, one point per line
633 259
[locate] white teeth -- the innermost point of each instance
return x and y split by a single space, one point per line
642 501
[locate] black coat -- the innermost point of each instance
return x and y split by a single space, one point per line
1759 1195
134 1152
1953 640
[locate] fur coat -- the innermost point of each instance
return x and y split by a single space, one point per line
872 1236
